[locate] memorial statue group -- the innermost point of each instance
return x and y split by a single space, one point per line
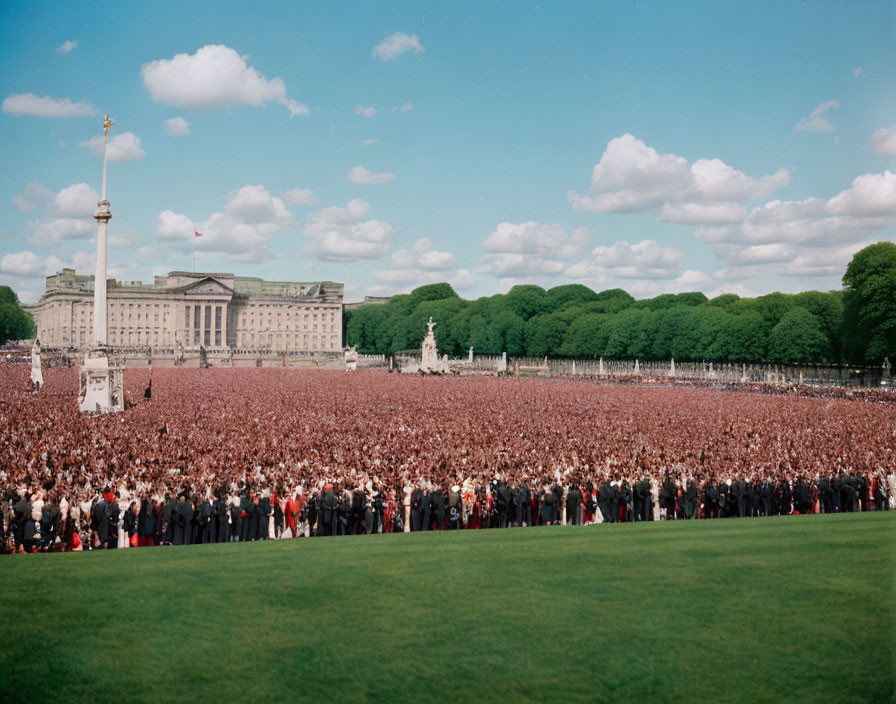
44 521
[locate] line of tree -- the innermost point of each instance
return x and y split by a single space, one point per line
15 323
854 325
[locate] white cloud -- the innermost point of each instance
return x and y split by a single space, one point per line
240 232
530 248
295 107
215 76
68 216
813 237
33 195
423 265
533 238
884 141
822 261
46 106
122 147
701 213
253 205
77 200
870 195
176 126
28 263
368 111
363 175
647 259
422 256
174 226
632 177
736 273
408 106
857 71
300 196
815 122
368 142
342 235
394 46
67 46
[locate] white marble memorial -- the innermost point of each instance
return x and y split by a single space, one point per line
101 381
37 376
351 359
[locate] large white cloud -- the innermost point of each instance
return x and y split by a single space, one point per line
300 196
240 232
27 263
342 235
174 226
395 45
884 140
530 248
77 200
633 177
870 195
216 76
812 237
647 259
46 106
423 265
33 195
122 147
362 175
815 122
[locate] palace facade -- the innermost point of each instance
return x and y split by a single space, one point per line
190 310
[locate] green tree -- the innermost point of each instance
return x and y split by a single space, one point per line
15 324
744 338
869 303
587 336
7 295
570 294
798 338
525 301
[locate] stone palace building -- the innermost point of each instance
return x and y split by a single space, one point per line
189 310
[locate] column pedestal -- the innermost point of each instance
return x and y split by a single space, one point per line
101 387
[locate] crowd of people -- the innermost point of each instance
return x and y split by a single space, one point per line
224 455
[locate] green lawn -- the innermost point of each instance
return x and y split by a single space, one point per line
776 609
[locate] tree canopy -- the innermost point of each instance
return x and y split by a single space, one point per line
855 325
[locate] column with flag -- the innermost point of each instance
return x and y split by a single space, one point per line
196 236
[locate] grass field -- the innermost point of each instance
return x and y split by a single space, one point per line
777 609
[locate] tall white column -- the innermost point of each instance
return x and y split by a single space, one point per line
102 216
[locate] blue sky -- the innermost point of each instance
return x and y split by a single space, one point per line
657 147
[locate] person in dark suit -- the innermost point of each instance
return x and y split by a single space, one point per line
417 509
667 496
182 518
168 519
263 515
548 508
247 515
710 499
689 496
206 532
438 507
524 507
740 493
574 506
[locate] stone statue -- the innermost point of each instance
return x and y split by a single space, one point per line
37 376
351 359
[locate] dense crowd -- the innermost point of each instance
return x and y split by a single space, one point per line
222 455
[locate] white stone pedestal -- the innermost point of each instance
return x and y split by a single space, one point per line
101 388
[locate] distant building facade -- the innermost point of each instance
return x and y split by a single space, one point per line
192 309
